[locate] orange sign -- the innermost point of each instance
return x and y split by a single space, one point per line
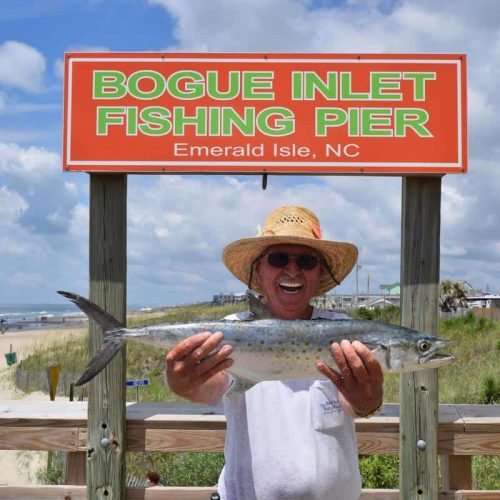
265 113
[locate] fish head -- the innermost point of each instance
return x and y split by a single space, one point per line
417 352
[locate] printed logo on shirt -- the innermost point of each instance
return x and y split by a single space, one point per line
332 406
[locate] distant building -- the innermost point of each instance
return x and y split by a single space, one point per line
483 301
393 289
347 302
382 303
231 298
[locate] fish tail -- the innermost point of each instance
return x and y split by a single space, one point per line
105 320
109 324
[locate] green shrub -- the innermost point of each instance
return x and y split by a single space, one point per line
52 474
486 473
490 393
178 469
379 471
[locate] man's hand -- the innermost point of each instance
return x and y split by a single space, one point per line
194 372
360 379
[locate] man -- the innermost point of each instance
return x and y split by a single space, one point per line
286 439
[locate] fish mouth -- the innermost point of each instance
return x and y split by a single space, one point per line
437 359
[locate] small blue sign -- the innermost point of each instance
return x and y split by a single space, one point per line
137 383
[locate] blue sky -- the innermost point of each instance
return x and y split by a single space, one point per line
178 225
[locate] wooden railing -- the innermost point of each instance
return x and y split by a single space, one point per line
464 431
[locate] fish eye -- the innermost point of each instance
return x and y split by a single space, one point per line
424 345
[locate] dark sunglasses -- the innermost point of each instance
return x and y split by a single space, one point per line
304 261
281 259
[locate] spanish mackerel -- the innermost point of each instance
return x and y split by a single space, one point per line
266 348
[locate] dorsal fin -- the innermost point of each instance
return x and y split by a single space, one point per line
257 308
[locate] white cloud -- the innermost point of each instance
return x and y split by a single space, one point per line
12 206
71 187
27 280
59 68
453 205
79 221
455 251
21 66
217 210
18 244
429 24
29 164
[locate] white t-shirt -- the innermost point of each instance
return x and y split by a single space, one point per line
289 440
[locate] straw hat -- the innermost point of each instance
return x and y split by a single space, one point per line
291 224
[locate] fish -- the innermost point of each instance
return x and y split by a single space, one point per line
266 348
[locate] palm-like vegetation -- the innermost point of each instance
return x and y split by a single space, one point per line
452 296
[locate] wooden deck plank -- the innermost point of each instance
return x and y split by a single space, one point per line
191 493
74 439
175 440
157 427
480 418
56 413
40 438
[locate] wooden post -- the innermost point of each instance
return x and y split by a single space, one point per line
106 393
420 232
53 376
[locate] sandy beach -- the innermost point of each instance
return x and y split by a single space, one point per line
20 467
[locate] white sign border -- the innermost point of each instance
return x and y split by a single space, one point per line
228 163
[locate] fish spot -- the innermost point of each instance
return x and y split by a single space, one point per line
249 344
270 349
262 342
298 357
320 349
304 351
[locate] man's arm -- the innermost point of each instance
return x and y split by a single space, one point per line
195 372
360 379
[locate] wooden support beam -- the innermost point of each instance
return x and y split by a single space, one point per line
75 471
108 278
420 233
456 471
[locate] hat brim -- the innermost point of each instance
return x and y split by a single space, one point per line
340 256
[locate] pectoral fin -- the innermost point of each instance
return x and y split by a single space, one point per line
381 352
239 385
375 346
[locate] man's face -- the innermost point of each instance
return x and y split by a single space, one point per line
289 289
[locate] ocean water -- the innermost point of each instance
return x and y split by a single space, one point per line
34 312
30 313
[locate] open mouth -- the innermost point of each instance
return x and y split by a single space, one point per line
439 358
290 288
